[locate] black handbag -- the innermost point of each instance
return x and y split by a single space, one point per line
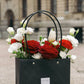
43 71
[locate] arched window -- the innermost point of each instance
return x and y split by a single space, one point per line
80 5
24 8
39 6
66 5
54 6
10 17
0 13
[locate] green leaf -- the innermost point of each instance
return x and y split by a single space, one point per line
77 31
14 52
69 56
40 38
62 48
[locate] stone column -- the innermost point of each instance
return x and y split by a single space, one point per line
30 8
83 34
60 8
20 9
44 7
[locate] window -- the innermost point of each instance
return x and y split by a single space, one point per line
48 31
0 13
39 6
54 6
79 36
10 17
66 5
24 8
80 5
36 29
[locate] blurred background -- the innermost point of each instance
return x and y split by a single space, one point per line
70 13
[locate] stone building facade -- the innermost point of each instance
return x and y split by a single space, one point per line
69 12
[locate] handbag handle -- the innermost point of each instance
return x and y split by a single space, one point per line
49 14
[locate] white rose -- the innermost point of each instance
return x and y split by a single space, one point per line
65 37
63 54
14 47
55 43
8 40
37 56
52 35
18 37
72 31
73 57
10 30
73 40
29 30
20 31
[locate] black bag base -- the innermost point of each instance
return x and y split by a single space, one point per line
42 71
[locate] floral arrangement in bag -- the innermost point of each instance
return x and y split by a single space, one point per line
45 48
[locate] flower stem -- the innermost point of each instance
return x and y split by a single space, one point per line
25 47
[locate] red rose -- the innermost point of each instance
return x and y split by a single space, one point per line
50 44
47 43
33 46
48 52
67 44
57 46
13 41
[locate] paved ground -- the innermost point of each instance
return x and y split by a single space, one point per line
7 65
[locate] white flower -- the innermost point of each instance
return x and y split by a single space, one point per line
8 40
63 54
37 56
18 37
10 30
73 40
20 31
55 43
44 39
29 30
72 31
73 57
14 47
65 37
41 44
52 35
23 21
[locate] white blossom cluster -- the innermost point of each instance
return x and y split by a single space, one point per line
72 39
14 47
74 42
18 36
